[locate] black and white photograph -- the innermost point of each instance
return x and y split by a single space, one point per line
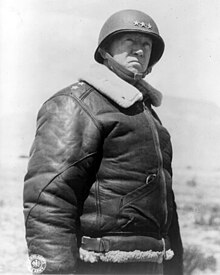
109 137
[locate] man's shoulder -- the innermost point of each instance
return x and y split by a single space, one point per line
68 97
78 90
82 92
79 95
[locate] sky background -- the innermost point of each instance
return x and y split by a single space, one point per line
45 44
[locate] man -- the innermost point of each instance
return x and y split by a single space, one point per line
98 194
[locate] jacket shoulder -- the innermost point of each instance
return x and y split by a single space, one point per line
78 90
69 100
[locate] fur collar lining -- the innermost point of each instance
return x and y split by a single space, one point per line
120 91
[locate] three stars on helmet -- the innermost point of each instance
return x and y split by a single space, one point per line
142 24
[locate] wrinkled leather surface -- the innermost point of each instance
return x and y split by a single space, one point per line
87 176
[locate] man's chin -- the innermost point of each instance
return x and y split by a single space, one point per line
135 70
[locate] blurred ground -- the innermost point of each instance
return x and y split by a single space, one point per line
199 214
12 238
197 196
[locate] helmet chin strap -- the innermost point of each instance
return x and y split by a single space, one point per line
120 70
134 79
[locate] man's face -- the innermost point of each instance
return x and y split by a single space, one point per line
131 50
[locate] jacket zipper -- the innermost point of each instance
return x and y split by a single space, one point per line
159 155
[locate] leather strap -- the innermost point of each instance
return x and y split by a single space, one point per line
128 243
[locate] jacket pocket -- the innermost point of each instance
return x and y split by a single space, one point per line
143 208
142 191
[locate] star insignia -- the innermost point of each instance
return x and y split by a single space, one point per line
149 26
143 25
136 23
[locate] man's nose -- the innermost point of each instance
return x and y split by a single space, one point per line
139 52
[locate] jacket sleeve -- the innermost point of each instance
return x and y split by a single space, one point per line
63 162
175 266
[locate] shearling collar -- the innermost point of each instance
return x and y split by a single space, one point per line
118 90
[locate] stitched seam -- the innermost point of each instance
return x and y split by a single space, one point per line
141 196
79 100
98 204
51 181
87 92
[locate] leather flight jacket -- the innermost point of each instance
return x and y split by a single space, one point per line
97 169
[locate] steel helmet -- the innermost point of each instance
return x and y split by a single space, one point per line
131 21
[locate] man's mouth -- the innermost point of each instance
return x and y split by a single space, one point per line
135 61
